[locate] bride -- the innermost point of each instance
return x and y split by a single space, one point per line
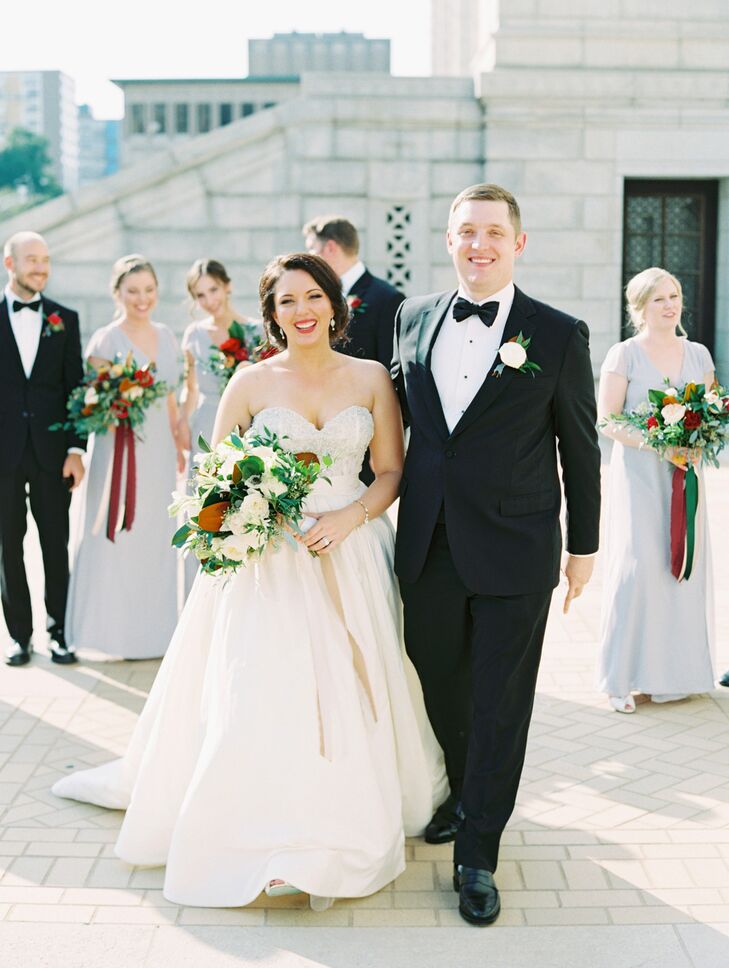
284 744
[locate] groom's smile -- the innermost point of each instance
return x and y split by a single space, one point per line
483 243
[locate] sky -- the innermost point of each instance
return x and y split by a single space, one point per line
96 41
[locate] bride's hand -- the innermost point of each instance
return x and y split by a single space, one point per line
331 528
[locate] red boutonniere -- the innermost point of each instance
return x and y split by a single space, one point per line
356 305
54 324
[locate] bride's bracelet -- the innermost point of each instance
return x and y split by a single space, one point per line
367 513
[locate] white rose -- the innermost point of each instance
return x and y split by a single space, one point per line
271 486
672 413
712 397
266 454
252 510
91 397
134 393
236 546
513 354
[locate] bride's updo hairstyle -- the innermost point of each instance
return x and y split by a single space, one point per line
322 274
640 289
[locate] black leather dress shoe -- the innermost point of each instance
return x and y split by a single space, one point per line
724 681
478 896
18 653
60 650
444 826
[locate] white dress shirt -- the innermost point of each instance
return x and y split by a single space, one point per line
352 274
464 353
26 325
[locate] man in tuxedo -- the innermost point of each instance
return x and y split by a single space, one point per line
40 363
479 538
373 302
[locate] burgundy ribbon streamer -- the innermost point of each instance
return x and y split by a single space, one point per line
678 523
123 444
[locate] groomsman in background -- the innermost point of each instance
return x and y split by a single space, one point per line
373 302
40 363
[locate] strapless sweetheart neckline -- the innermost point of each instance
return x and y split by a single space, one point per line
326 423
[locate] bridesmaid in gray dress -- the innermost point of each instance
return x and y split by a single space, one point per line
209 286
123 595
657 632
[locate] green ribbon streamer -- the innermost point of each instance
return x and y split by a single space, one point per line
692 503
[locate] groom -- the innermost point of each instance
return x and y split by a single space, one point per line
479 539
40 363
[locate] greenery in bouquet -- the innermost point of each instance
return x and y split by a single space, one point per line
113 394
690 417
245 493
245 343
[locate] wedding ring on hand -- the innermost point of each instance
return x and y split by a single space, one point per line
327 541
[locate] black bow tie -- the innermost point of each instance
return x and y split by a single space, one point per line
462 309
17 305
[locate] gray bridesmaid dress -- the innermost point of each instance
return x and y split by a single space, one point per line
657 633
123 595
196 341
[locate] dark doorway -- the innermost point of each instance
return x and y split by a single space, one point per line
672 224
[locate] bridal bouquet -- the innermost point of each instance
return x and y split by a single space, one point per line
244 344
245 492
688 418
115 396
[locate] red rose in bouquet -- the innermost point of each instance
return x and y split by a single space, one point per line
692 420
144 378
652 422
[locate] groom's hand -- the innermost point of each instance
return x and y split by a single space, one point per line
578 572
73 468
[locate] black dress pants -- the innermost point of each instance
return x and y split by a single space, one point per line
477 657
49 502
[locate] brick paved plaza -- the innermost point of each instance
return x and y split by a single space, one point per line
618 853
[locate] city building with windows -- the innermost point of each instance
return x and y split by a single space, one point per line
98 143
612 131
160 114
295 53
43 102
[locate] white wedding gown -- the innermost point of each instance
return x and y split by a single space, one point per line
285 735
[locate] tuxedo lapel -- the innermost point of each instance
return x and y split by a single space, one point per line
431 322
45 342
7 337
359 288
522 319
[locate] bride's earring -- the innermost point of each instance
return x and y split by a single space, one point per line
332 324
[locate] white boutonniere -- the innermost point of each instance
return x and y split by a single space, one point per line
513 354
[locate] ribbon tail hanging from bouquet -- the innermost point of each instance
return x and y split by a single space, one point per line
123 447
684 508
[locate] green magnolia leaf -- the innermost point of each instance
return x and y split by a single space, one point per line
181 535
236 331
203 445
251 466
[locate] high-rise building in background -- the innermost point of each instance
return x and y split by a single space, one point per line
43 102
99 143
295 53
160 113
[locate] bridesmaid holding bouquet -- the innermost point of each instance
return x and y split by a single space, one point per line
214 347
123 593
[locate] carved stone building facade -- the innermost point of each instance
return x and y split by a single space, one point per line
609 119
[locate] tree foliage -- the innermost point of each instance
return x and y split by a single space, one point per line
24 161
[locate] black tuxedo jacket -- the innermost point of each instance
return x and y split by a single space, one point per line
496 475
29 405
371 327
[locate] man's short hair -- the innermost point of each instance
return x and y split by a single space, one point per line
334 227
489 193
